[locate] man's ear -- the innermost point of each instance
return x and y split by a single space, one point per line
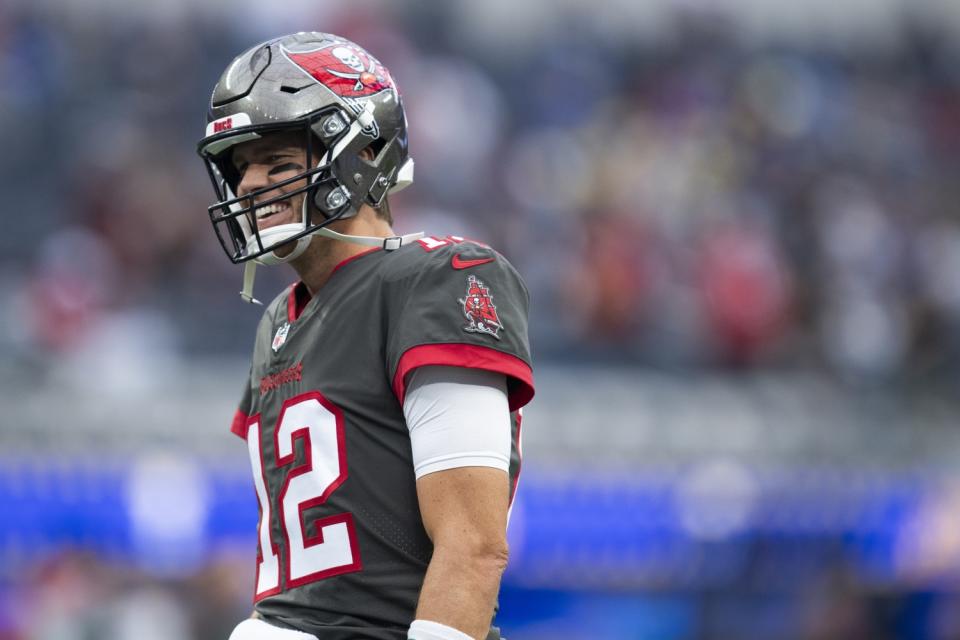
368 154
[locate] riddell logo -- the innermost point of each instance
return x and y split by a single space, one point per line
223 125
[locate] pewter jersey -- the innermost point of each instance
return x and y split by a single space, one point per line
342 549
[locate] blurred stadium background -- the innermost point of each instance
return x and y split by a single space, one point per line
739 222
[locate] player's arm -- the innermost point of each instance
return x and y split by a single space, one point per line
465 514
460 435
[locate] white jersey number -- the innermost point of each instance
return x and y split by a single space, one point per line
332 548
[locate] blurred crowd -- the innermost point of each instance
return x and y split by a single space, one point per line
690 201
75 595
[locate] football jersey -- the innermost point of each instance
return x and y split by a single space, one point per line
342 550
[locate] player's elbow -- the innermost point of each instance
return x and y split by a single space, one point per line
489 558
486 554
496 555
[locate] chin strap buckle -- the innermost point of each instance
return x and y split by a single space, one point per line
392 243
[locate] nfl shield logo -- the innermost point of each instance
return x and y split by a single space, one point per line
280 336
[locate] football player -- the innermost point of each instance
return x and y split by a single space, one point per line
382 409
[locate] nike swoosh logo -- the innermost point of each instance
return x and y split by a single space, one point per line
458 263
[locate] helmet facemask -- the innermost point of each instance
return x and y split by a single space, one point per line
234 217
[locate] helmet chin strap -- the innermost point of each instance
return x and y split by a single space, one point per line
249 275
277 234
389 243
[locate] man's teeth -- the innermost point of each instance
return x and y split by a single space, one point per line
269 210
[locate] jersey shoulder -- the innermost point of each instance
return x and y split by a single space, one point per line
436 259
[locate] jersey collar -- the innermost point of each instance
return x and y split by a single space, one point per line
300 296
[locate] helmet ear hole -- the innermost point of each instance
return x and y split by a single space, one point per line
372 151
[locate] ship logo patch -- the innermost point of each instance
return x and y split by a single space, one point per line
280 336
479 309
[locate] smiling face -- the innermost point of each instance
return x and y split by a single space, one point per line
266 161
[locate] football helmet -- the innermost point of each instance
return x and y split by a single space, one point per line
344 101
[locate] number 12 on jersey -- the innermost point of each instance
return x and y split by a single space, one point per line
332 549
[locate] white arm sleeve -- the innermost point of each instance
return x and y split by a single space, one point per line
457 417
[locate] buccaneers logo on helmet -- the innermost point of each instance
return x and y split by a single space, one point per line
348 71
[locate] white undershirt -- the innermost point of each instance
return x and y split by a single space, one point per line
457 417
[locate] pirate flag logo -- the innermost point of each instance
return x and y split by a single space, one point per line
350 72
347 71
479 309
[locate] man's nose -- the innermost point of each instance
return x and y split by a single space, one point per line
255 176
